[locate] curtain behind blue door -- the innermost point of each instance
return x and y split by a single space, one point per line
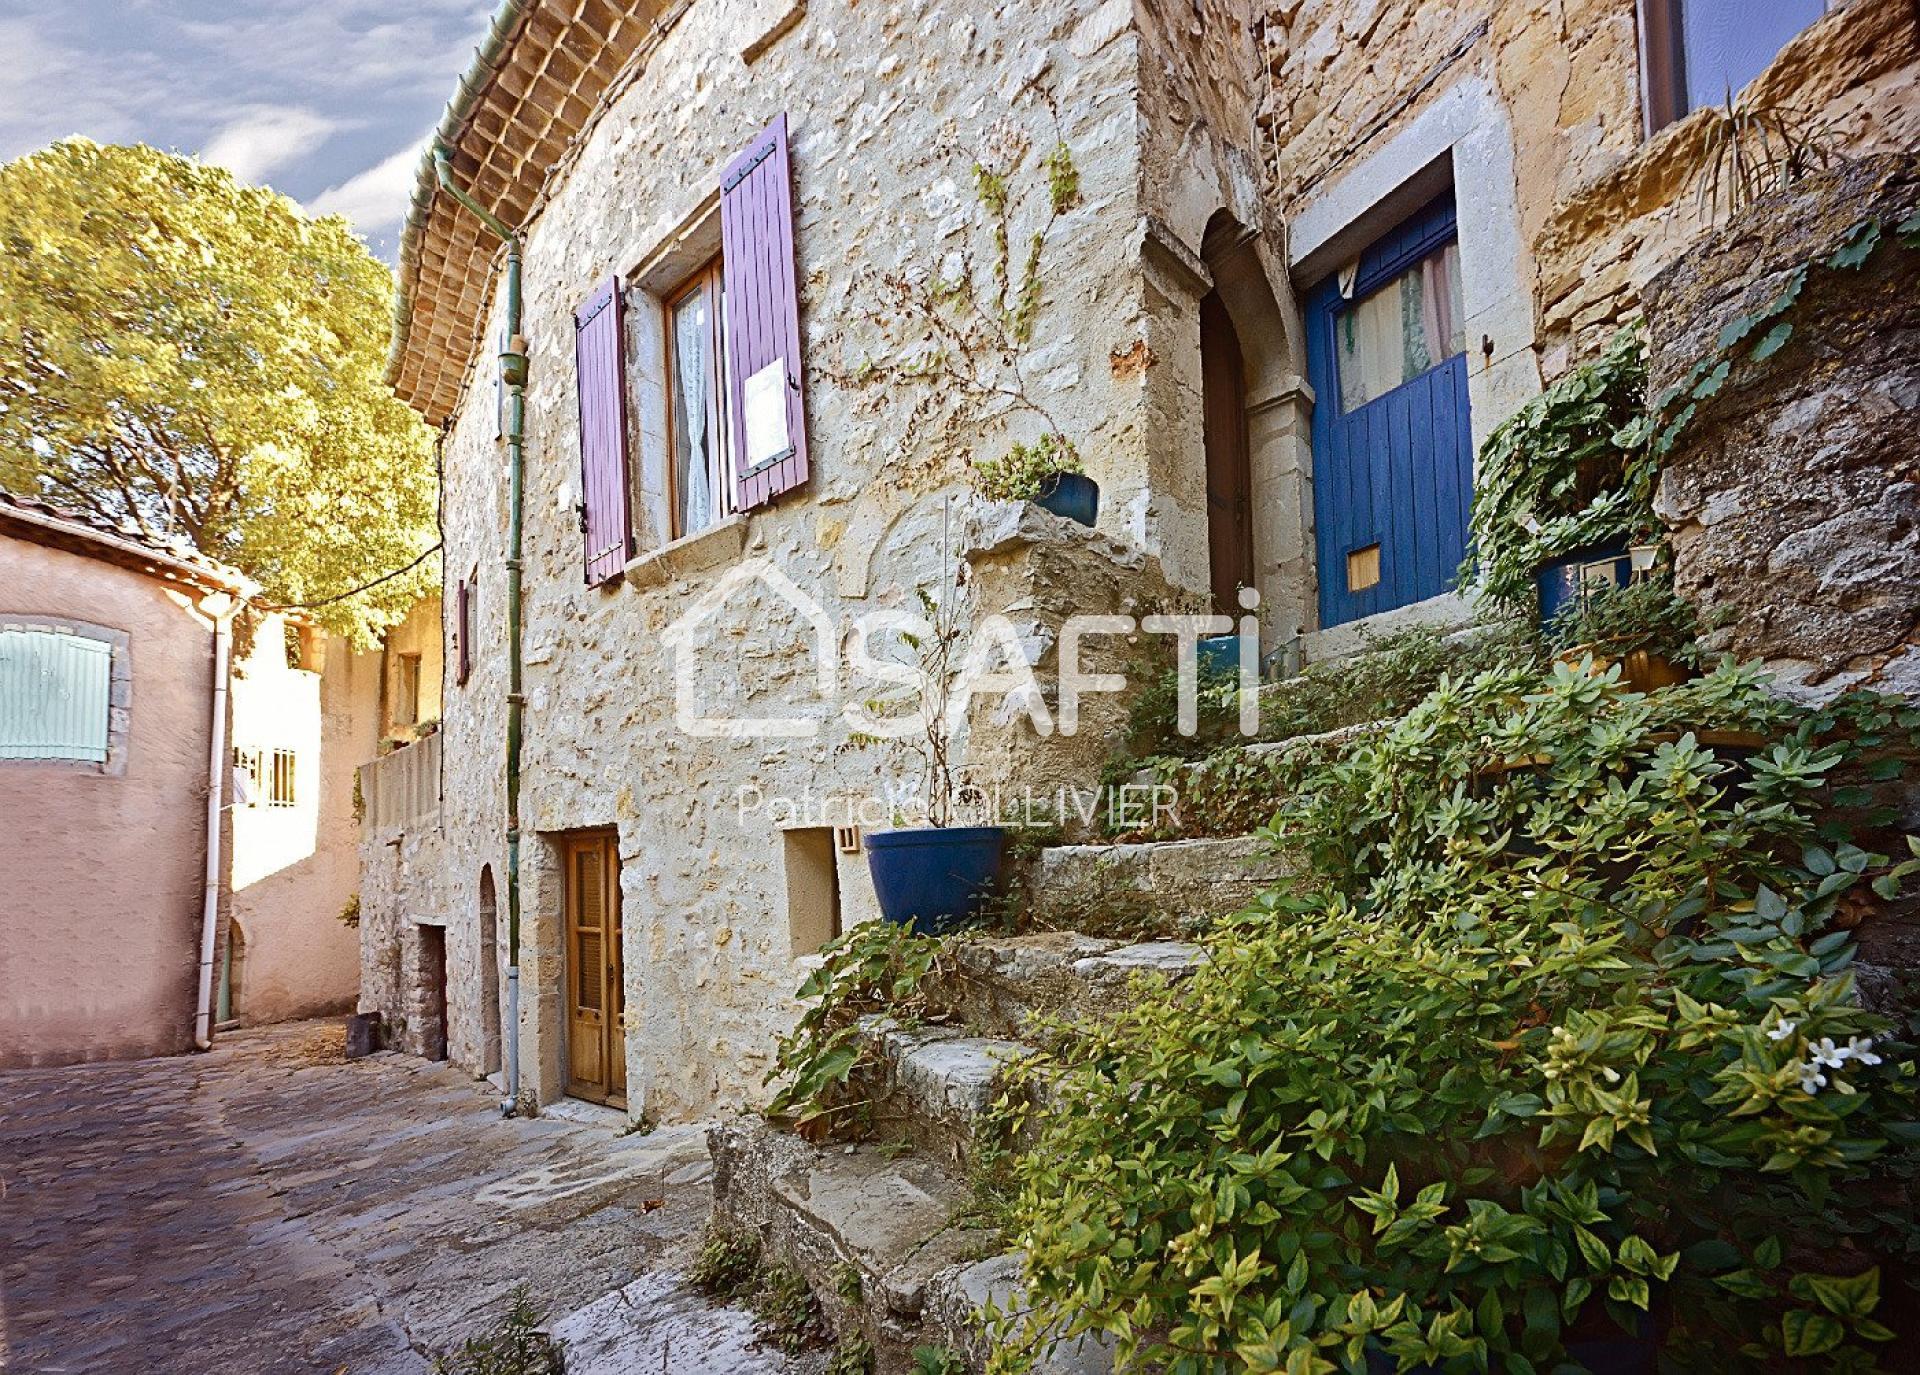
1393 475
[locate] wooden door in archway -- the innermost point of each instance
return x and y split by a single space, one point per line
1223 384
596 1043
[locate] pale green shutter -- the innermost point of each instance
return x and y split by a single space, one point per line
53 695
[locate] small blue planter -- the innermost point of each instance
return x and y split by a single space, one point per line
935 878
1073 495
1219 653
1563 582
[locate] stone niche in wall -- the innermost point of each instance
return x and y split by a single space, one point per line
1793 497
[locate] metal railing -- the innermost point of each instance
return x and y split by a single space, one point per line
400 791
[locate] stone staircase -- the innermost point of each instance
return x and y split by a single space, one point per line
890 1234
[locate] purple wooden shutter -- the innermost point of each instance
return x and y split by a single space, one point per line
462 615
599 357
762 307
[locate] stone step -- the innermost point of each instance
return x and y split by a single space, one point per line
1001 986
1166 887
933 1085
1234 791
883 1243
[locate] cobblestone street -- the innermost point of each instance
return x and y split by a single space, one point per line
269 1207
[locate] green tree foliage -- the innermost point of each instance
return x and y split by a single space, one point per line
200 358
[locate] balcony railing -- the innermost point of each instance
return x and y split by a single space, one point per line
401 791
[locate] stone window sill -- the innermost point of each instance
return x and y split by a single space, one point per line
688 555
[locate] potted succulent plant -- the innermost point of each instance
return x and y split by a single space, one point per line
1643 625
934 875
1046 472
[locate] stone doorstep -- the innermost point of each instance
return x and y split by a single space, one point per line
660 1322
1273 751
957 1296
938 1081
821 1208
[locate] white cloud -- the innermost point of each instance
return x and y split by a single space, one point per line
376 198
265 139
53 90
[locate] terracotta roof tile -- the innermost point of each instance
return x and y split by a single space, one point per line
123 536
538 84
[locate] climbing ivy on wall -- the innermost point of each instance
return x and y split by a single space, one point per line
1577 465
956 334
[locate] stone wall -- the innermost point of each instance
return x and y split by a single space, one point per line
1793 496
1602 207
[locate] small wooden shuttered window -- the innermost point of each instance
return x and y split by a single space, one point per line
600 361
762 320
462 630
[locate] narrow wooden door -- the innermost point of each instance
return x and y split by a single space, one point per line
1223 385
596 1051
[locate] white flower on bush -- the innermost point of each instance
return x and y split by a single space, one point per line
1825 1052
1782 1031
1861 1048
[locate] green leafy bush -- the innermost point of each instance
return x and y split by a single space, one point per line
875 968
852 1355
1384 679
1389 675
938 1360
1023 472
1227 790
1561 1030
788 1311
515 1345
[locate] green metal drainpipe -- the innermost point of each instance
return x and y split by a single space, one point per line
513 372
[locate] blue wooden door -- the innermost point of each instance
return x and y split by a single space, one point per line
1392 445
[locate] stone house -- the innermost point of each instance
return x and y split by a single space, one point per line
402 918
303 718
1298 260
176 834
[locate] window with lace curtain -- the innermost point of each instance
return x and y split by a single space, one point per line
699 489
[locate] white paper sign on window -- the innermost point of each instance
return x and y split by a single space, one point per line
765 403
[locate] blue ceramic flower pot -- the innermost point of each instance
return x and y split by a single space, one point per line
1219 653
1563 582
1073 495
935 878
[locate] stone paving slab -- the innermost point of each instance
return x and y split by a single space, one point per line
269 1207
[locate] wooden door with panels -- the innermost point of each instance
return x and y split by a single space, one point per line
596 1040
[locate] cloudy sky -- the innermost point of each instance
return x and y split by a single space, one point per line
328 101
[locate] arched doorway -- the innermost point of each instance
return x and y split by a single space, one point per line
1223 387
1254 412
489 974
